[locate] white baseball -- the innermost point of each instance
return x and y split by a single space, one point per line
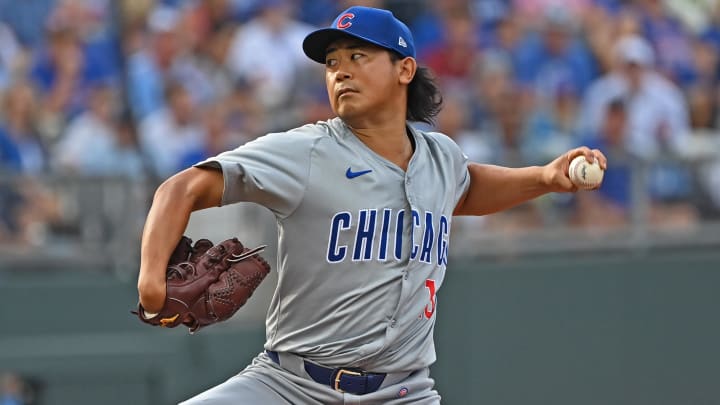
585 175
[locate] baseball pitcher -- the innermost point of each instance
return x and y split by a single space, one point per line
364 206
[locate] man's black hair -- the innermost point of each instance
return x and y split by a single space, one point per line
424 100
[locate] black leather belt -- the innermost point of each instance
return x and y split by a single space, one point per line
350 380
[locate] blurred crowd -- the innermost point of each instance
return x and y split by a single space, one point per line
145 88
15 390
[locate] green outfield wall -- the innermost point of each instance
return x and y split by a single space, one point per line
592 329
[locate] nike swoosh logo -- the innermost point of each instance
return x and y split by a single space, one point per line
351 174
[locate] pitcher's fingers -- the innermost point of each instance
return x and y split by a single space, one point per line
566 184
602 160
580 151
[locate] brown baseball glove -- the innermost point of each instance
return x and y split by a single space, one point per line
207 284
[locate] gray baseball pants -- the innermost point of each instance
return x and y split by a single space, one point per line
267 383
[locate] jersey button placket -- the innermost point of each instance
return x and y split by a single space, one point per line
408 189
393 322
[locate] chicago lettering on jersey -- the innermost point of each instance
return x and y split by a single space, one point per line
429 236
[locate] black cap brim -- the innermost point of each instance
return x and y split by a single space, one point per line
317 42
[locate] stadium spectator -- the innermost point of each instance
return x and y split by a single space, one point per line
705 64
452 58
611 205
59 72
210 16
11 390
93 24
311 101
244 10
711 32
505 38
529 10
219 136
27 19
658 116
702 93
15 157
9 51
696 16
554 55
25 150
25 205
318 12
93 144
669 38
164 55
80 51
604 28
322 12
550 123
209 59
245 116
167 135
454 121
427 25
625 191
498 108
255 49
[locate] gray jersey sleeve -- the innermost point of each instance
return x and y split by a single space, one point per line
271 170
454 154
463 174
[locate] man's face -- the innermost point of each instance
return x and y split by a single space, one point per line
361 79
181 106
633 73
615 125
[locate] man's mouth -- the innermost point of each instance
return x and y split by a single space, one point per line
344 91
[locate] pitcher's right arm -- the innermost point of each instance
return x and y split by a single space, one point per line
175 199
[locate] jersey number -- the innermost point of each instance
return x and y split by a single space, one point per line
430 285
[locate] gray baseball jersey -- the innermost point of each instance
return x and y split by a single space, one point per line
363 245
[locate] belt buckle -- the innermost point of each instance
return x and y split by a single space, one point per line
339 374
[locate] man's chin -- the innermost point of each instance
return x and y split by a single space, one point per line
348 114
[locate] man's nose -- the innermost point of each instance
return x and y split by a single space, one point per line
342 74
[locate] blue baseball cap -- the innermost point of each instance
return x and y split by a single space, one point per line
379 27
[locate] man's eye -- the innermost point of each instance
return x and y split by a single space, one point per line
330 62
356 56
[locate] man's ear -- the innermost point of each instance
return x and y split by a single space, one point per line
408 67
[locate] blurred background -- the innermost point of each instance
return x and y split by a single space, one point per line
606 297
